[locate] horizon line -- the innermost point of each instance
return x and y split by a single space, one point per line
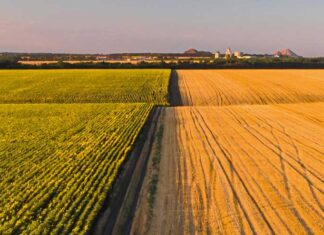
138 52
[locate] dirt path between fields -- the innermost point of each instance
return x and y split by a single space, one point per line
127 210
119 207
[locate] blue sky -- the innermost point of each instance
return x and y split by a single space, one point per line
106 26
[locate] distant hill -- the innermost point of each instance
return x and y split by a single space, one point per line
191 51
286 53
195 52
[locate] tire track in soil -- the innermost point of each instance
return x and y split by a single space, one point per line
273 187
226 155
247 127
250 128
299 160
286 183
185 189
263 120
236 209
302 165
260 171
222 170
213 171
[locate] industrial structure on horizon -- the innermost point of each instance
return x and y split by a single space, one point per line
228 54
240 55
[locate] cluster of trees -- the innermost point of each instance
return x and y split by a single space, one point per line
8 61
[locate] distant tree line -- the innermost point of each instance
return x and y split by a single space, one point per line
8 61
257 63
11 62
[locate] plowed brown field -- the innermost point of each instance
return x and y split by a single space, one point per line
254 169
228 87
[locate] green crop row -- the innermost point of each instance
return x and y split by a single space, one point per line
59 161
84 86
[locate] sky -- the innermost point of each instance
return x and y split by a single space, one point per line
110 26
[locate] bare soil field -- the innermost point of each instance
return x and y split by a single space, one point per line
254 169
228 87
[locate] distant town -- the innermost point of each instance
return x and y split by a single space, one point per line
192 55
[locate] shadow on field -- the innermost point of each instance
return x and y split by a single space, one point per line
174 91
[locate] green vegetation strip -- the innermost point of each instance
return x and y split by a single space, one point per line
84 86
156 168
58 162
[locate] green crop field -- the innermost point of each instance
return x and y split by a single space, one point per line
58 162
84 86
64 136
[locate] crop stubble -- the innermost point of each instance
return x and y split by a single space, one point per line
241 168
234 87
